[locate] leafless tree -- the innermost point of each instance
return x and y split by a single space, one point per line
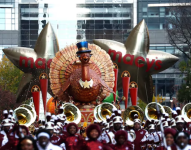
179 25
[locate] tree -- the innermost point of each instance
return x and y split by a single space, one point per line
184 93
10 75
179 26
7 100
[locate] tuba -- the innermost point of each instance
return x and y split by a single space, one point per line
31 109
129 113
24 116
151 110
72 113
102 110
168 110
186 112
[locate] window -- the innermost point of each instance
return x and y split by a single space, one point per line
2 13
2 26
170 50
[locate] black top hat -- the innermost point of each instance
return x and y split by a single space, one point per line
83 47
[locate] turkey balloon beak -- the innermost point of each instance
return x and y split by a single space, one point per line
86 59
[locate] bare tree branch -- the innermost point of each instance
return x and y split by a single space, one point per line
178 26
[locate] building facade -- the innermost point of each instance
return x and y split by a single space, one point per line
9 32
156 14
104 20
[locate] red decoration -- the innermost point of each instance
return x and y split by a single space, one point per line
125 80
44 89
115 82
87 115
133 92
36 99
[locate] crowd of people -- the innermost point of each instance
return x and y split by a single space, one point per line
56 133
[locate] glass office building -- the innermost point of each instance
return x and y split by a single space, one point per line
156 13
8 24
79 21
104 21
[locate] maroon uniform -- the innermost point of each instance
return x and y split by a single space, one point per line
93 145
73 142
56 140
12 143
126 146
138 142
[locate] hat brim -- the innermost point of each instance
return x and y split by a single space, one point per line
84 51
8 124
179 121
49 128
118 122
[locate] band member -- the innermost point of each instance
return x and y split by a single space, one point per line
50 127
150 136
117 125
6 126
73 140
26 143
140 140
18 132
173 124
121 141
43 141
180 124
93 132
55 139
169 136
181 140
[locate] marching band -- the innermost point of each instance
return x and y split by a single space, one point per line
158 129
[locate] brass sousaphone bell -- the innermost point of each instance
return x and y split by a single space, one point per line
151 111
102 110
25 115
129 113
72 113
168 110
186 112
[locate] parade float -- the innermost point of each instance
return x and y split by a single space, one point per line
81 76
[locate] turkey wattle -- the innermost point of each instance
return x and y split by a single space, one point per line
84 72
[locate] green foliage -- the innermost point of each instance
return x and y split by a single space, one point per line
10 75
184 93
142 105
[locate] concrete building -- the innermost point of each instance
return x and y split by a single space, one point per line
156 13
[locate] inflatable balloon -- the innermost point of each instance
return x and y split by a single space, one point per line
50 106
34 62
110 98
135 57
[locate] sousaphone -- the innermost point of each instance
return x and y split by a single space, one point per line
151 110
128 115
186 112
72 113
102 110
